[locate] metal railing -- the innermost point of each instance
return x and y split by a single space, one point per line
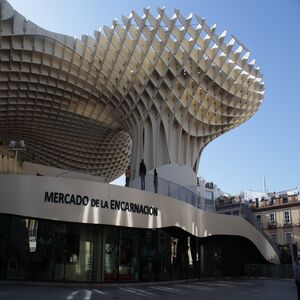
174 190
272 225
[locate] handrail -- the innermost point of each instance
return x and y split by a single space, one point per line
174 190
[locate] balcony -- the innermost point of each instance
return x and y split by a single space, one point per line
287 224
272 225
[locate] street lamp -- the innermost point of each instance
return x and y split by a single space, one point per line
14 146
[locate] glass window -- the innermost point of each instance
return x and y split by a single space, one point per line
284 200
41 261
193 201
78 252
287 217
163 256
148 255
209 195
288 238
46 250
258 219
209 204
273 237
4 222
32 226
272 219
111 254
129 258
20 254
30 249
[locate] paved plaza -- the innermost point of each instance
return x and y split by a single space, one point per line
253 289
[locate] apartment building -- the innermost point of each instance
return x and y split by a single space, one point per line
279 216
209 192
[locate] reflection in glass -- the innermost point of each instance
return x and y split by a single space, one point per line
4 225
48 250
164 254
18 249
148 264
128 268
41 261
111 254
78 252
32 226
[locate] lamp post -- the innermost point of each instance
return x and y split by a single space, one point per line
14 146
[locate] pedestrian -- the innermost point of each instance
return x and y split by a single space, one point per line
127 176
297 277
155 181
143 172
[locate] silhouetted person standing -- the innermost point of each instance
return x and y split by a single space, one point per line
155 181
127 176
143 172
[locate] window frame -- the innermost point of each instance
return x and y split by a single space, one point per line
289 217
275 241
274 221
258 216
285 237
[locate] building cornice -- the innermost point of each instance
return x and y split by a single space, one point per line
276 207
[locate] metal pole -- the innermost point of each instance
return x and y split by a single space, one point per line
15 162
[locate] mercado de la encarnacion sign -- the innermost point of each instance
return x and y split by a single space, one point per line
72 199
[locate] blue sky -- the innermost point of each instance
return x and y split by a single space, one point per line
268 144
